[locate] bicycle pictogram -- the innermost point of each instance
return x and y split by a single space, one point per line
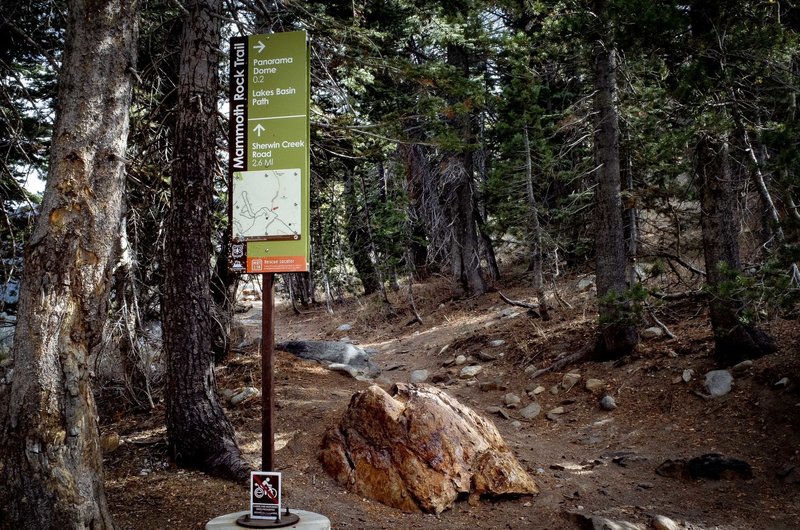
265 488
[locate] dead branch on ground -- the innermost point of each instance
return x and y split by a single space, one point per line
519 303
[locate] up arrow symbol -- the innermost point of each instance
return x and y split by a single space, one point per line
258 129
260 46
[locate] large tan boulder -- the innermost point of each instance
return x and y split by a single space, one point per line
419 449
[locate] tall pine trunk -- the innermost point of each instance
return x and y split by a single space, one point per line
534 231
617 333
199 433
459 193
51 470
734 340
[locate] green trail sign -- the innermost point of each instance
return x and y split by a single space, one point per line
269 153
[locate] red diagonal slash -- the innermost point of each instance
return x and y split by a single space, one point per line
266 490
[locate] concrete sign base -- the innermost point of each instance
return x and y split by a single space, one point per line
308 521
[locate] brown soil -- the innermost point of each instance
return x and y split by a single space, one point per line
586 460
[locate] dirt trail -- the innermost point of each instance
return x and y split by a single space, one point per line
585 459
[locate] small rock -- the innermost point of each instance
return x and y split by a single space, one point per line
784 382
460 360
597 522
531 411
245 394
110 442
486 357
608 403
687 375
530 369
509 313
673 468
718 382
344 327
538 390
569 380
662 522
494 409
419 376
594 385
449 362
496 343
488 386
629 458
584 284
516 424
443 375
646 485
511 401
556 410
470 371
717 467
710 466
672 354
742 366
554 390
651 333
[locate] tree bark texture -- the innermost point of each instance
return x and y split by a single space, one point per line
618 335
51 466
734 340
457 172
199 433
421 222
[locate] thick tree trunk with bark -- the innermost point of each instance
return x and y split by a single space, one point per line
457 171
618 334
51 467
464 246
734 340
200 434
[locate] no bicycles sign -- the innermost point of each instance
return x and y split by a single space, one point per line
265 494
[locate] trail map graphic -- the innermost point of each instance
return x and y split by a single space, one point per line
266 204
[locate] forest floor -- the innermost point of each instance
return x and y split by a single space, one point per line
585 460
